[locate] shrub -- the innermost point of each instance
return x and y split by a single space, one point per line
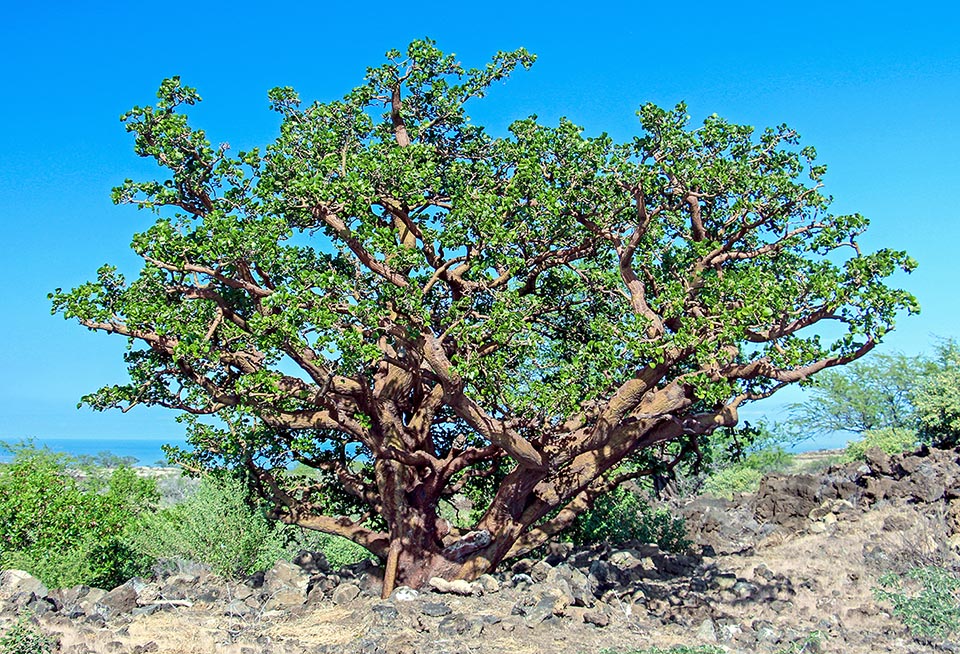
926 599
216 526
622 515
24 637
732 481
891 440
65 530
937 398
339 551
745 475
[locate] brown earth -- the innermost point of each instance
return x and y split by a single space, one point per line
791 569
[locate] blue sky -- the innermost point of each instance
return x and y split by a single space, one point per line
875 89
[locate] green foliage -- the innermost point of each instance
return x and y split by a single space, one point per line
744 475
891 440
733 481
25 637
937 398
869 394
388 278
68 531
890 395
623 515
216 526
926 599
339 551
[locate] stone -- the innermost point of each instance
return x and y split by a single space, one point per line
597 618
121 599
435 609
311 562
285 574
489 584
725 581
707 631
404 594
345 593
13 582
455 587
787 499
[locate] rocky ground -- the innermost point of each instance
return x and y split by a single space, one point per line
788 570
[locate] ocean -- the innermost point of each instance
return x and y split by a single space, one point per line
146 451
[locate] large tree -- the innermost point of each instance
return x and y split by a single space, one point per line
411 306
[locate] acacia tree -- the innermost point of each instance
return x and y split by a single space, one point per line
410 306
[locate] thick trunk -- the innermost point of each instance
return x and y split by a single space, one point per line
418 550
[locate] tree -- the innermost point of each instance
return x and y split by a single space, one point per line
937 398
873 393
411 306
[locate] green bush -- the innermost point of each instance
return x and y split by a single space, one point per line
216 526
66 530
745 475
926 599
891 440
622 515
339 551
937 398
733 481
24 637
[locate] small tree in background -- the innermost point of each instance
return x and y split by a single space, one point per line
409 305
937 398
873 393
887 398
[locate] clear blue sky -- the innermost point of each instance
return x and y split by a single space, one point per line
875 89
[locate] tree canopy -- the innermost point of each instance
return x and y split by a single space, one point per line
412 306
890 393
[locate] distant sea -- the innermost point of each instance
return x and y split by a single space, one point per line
146 451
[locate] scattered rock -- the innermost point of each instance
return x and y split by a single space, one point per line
345 593
456 587
435 609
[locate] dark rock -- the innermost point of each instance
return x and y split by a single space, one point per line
345 593
597 618
458 625
878 460
787 500
121 599
311 562
435 609
385 612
